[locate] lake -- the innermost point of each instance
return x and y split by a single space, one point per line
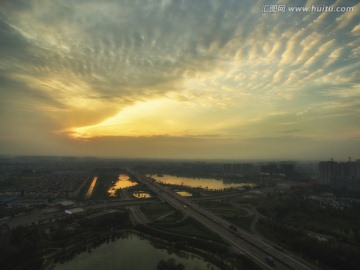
209 183
131 253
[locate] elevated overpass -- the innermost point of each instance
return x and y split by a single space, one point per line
240 241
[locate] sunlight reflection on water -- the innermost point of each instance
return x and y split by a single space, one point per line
122 182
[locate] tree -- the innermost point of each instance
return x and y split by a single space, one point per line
170 264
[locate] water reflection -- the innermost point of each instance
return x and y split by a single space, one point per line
91 188
122 182
184 193
124 254
206 183
141 195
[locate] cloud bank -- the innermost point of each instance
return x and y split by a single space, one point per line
216 78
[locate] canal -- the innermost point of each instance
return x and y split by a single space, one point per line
91 188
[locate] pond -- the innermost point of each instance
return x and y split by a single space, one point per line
184 193
206 183
141 194
132 253
122 182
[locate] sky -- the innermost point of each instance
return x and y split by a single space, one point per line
190 79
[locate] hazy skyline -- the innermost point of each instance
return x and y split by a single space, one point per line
179 79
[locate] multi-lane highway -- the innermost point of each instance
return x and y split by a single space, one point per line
37 216
240 241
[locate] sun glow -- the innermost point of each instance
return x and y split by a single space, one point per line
209 80
152 118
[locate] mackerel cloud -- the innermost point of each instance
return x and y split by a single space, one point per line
83 62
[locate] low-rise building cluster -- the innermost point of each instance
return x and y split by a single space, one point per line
55 186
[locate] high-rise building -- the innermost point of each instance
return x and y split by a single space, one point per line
326 171
340 175
239 168
284 169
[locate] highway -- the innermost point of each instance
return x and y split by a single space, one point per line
240 241
37 216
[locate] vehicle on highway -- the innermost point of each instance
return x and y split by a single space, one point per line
270 260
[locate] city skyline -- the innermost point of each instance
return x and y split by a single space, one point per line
179 79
